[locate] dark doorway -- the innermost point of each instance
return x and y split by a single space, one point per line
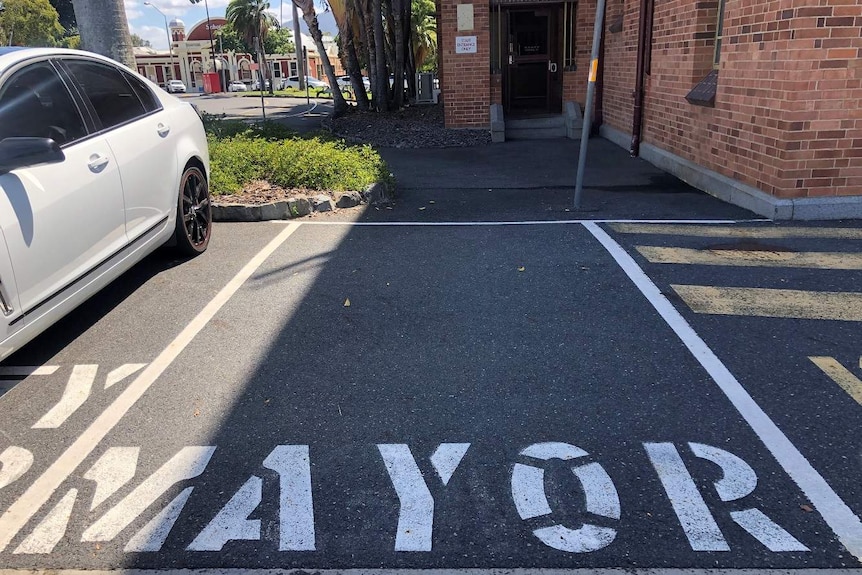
533 71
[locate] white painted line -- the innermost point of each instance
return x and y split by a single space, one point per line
840 518
32 500
232 523
25 370
468 571
416 516
514 223
446 459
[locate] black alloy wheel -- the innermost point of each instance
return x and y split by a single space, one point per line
194 213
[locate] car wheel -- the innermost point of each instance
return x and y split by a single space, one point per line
194 213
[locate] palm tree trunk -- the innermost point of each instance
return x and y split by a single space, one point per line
354 69
104 29
382 87
297 42
310 17
398 26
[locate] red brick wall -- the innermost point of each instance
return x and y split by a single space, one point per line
467 86
575 81
788 110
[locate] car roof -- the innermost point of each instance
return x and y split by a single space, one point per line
9 56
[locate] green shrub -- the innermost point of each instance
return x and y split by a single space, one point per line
217 127
315 163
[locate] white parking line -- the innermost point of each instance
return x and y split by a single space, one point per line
840 518
26 506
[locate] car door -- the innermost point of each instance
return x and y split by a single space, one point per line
139 132
59 221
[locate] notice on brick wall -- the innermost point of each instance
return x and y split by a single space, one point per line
465 17
465 44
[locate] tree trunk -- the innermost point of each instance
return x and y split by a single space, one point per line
370 50
408 46
297 42
398 26
382 87
104 29
310 17
354 69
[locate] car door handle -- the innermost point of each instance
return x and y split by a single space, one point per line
163 130
97 162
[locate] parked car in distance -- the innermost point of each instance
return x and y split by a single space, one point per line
344 82
237 86
98 168
315 86
256 85
176 87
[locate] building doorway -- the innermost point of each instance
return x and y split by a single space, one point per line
532 70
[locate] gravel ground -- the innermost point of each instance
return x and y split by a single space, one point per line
414 127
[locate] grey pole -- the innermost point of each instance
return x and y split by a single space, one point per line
167 32
588 107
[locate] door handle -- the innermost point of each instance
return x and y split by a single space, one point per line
97 162
163 130
552 67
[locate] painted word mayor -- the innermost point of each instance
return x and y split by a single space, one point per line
292 464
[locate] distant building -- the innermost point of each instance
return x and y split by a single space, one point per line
192 58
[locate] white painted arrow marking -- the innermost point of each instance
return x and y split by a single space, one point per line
113 470
187 464
232 522
154 534
14 462
122 373
77 391
52 528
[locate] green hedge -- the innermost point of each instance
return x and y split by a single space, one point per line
241 153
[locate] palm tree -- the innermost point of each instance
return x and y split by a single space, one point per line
347 19
251 19
310 17
104 29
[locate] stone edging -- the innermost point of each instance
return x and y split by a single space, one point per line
298 206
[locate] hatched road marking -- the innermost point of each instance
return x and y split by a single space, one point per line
814 260
841 375
736 232
762 302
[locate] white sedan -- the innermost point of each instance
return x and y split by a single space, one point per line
98 168
237 86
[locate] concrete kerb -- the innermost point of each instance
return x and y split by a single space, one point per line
298 206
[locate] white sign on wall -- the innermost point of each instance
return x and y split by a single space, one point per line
465 44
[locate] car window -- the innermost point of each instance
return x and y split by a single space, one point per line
145 95
110 93
35 103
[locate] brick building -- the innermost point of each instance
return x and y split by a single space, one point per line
758 102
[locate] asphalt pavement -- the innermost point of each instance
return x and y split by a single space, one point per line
475 377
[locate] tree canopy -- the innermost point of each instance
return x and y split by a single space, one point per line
137 41
30 23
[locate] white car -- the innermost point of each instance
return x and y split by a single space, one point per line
98 168
344 82
176 87
315 86
237 86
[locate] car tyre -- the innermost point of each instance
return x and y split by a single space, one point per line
194 213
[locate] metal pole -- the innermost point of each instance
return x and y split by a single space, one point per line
261 76
167 33
212 42
305 74
588 107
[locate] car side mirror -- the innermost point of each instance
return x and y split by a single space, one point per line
25 152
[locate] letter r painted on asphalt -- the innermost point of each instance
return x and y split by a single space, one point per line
738 481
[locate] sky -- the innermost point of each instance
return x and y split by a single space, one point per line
147 23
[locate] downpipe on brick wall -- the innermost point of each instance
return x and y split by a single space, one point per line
644 35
